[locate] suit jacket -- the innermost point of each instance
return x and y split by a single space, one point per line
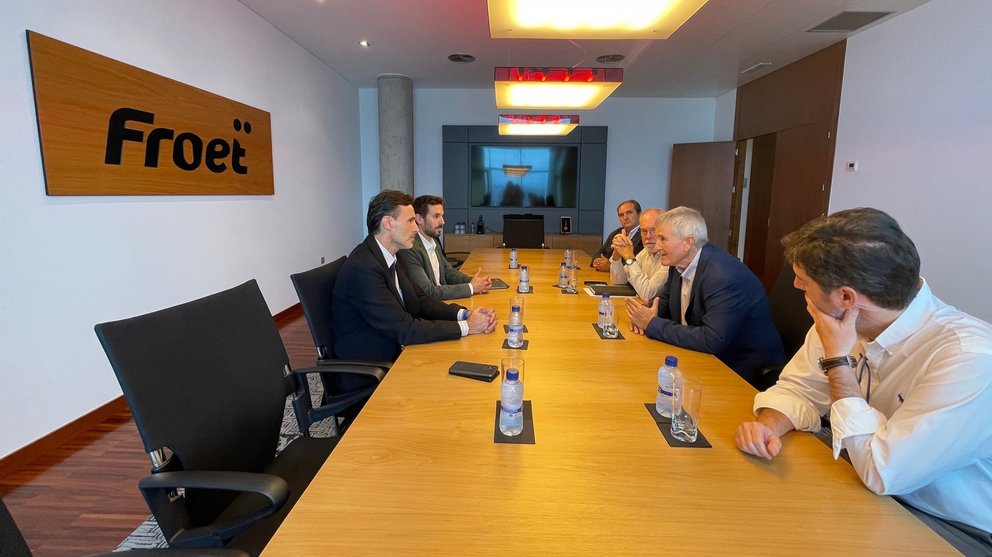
368 318
728 315
607 249
454 283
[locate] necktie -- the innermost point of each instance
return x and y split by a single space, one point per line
396 280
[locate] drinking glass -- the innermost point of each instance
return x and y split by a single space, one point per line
573 280
610 328
512 362
518 301
685 415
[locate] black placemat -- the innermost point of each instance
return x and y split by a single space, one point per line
600 333
508 347
506 329
526 436
564 291
530 290
665 426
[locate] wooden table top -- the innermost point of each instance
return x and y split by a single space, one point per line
418 472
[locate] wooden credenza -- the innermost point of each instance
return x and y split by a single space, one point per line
456 243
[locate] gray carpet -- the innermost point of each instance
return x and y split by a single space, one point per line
148 535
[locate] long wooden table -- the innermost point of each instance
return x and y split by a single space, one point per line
418 472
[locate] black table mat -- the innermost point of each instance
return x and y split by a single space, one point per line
600 333
507 346
665 426
526 436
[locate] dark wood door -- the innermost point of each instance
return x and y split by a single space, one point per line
703 178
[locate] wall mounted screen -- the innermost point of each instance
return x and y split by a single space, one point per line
524 175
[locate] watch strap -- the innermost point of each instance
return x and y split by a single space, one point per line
826 364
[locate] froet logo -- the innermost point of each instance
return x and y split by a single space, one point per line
217 154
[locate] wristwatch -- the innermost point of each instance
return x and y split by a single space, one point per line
628 262
826 364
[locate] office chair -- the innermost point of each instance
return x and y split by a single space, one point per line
788 306
315 289
207 383
12 544
523 231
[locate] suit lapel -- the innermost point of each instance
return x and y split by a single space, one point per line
373 246
675 296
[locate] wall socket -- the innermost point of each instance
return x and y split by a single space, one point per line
852 166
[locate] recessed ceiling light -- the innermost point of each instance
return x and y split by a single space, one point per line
610 58
461 58
364 43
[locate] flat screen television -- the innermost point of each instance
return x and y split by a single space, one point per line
524 175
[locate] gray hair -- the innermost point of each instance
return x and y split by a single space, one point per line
685 223
651 213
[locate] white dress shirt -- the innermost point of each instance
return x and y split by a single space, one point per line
391 261
646 274
688 274
925 432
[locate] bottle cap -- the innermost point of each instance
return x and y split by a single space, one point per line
512 374
514 308
606 295
671 361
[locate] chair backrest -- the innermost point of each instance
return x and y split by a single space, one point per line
12 543
789 313
523 231
204 379
315 288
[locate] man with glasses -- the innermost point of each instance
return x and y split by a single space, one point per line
906 379
643 271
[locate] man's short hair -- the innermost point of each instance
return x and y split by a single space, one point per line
637 206
385 203
685 222
862 248
422 204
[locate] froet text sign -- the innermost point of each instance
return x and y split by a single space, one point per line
108 128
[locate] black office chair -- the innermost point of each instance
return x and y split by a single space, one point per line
315 289
523 231
207 383
791 319
12 544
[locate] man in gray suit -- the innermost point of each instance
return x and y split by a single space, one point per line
425 261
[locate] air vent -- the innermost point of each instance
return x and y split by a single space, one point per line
755 67
847 22
461 58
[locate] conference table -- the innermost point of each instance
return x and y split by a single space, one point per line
418 472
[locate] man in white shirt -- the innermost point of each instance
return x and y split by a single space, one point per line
643 271
906 379
425 262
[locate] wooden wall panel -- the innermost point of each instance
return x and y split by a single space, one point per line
108 128
703 178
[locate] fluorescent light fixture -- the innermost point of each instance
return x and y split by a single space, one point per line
554 88
544 124
589 19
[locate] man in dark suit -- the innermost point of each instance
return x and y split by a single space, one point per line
377 310
425 262
712 303
629 213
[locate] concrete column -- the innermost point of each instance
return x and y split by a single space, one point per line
396 133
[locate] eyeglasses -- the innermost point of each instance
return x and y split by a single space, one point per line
861 369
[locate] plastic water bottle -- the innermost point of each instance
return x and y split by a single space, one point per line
668 376
511 404
563 276
516 318
605 311
524 285
515 336
513 258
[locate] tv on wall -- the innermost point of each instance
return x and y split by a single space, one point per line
524 175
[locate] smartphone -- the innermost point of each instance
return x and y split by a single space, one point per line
481 372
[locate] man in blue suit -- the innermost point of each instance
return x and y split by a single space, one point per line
377 309
712 303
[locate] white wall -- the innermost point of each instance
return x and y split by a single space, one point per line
68 263
726 109
916 113
639 153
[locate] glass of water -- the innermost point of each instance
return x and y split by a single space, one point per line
610 328
573 280
685 415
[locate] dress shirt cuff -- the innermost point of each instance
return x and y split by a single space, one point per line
464 327
463 314
852 416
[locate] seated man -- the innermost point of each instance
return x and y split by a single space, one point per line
377 310
628 212
712 302
425 261
644 271
907 379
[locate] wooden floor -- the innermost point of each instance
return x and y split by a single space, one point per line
83 498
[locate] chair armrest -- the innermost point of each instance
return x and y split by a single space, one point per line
306 414
363 363
273 488
339 366
768 376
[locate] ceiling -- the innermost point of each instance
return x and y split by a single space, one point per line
704 58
